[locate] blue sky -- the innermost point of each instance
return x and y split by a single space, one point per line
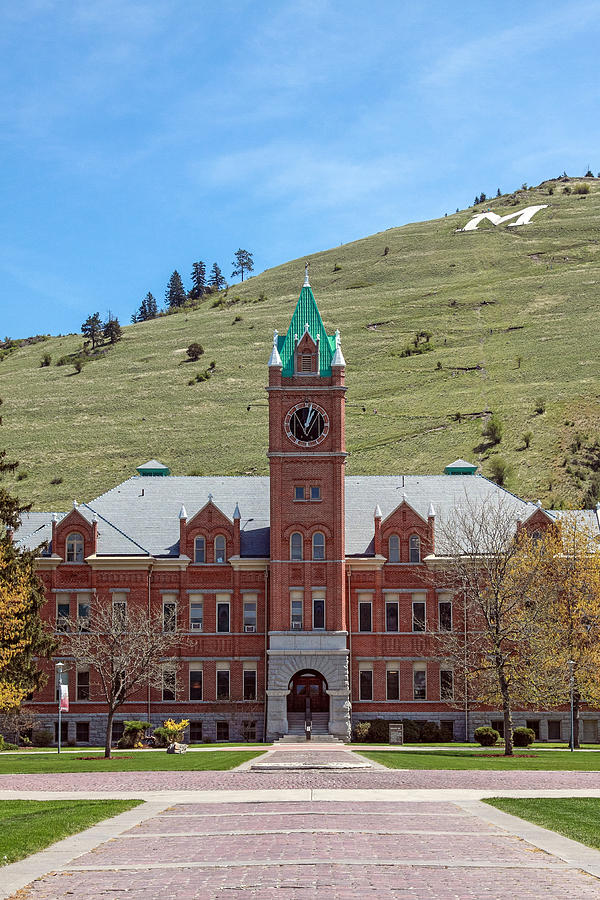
138 136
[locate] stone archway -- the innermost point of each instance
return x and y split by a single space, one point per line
308 693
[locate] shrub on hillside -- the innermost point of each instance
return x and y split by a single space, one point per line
527 439
486 736
540 405
581 189
195 351
523 737
492 429
45 360
499 469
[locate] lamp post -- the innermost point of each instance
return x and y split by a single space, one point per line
59 668
571 689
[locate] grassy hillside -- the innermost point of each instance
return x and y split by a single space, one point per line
513 314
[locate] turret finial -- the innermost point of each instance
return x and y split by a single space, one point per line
306 281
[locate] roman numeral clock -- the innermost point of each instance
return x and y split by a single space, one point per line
306 424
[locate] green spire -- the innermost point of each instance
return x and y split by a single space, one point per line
306 313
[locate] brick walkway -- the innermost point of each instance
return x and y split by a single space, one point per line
293 850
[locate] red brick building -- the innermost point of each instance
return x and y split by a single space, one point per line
304 590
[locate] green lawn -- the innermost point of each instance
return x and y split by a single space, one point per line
535 760
27 826
577 818
132 761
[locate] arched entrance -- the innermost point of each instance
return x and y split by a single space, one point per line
308 692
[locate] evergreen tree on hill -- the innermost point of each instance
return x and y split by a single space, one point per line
112 330
175 295
216 277
93 329
242 262
198 280
148 309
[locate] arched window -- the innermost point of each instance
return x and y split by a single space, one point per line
220 549
394 548
75 547
199 549
318 545
296 546
414 548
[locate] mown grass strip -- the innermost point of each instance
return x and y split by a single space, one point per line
577 818
532 761
25 764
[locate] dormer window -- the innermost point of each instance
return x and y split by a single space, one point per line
199 550
394 548
75 547
414 548
220 549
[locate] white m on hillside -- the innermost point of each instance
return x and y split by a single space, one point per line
522 217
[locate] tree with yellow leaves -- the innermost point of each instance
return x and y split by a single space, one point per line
570 592
23 638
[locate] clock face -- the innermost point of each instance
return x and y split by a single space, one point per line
306 424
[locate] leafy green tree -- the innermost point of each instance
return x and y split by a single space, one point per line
242 262
198 281
93 329
175 295
216 277
148 309
195 351
493 429
112 330
23 638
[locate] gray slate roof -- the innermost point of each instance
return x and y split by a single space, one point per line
141 515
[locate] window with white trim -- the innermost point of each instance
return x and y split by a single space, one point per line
446 684
195 671
299 492
365 682
222 681
318 603
249 681
296 604
169 683
391 612
318 545
418 612
199 549
250 601
445 612
393 548
169 603
83 683
119 610
315 492
83 611
365 612
414 548
74 546
223 618
392 681
63 612
419 681
220 549
296 542
196 612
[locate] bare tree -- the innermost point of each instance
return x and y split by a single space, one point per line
16 721
127 649
493 568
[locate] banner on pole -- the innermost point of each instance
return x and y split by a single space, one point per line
64 698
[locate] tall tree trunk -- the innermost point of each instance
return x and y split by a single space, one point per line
108 739
576 719
506 708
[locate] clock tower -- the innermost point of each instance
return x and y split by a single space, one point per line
308 652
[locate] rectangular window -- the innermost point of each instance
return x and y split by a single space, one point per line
498 725
82 732
222 614
199 550
222 683
534 724
196 612
366 684
418 616
318 613
392 684
364 616
250 612
296 610
195 732
445 613
315 492
298 493
64 732
117 731
169 613
83 612
446 684
195 682
391 615
83 684
419 682
119 608
249 730
249 684
168 684
554 729
63 611
222 732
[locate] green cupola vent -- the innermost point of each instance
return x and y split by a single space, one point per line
153 467
460 467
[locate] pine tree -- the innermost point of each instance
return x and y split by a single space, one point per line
243 262
198 281
216 277
92 329
148 309
23 639
498 194
175 295
112 330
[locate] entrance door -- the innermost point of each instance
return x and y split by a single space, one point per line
308 690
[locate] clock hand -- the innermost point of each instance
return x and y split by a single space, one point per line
309 417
